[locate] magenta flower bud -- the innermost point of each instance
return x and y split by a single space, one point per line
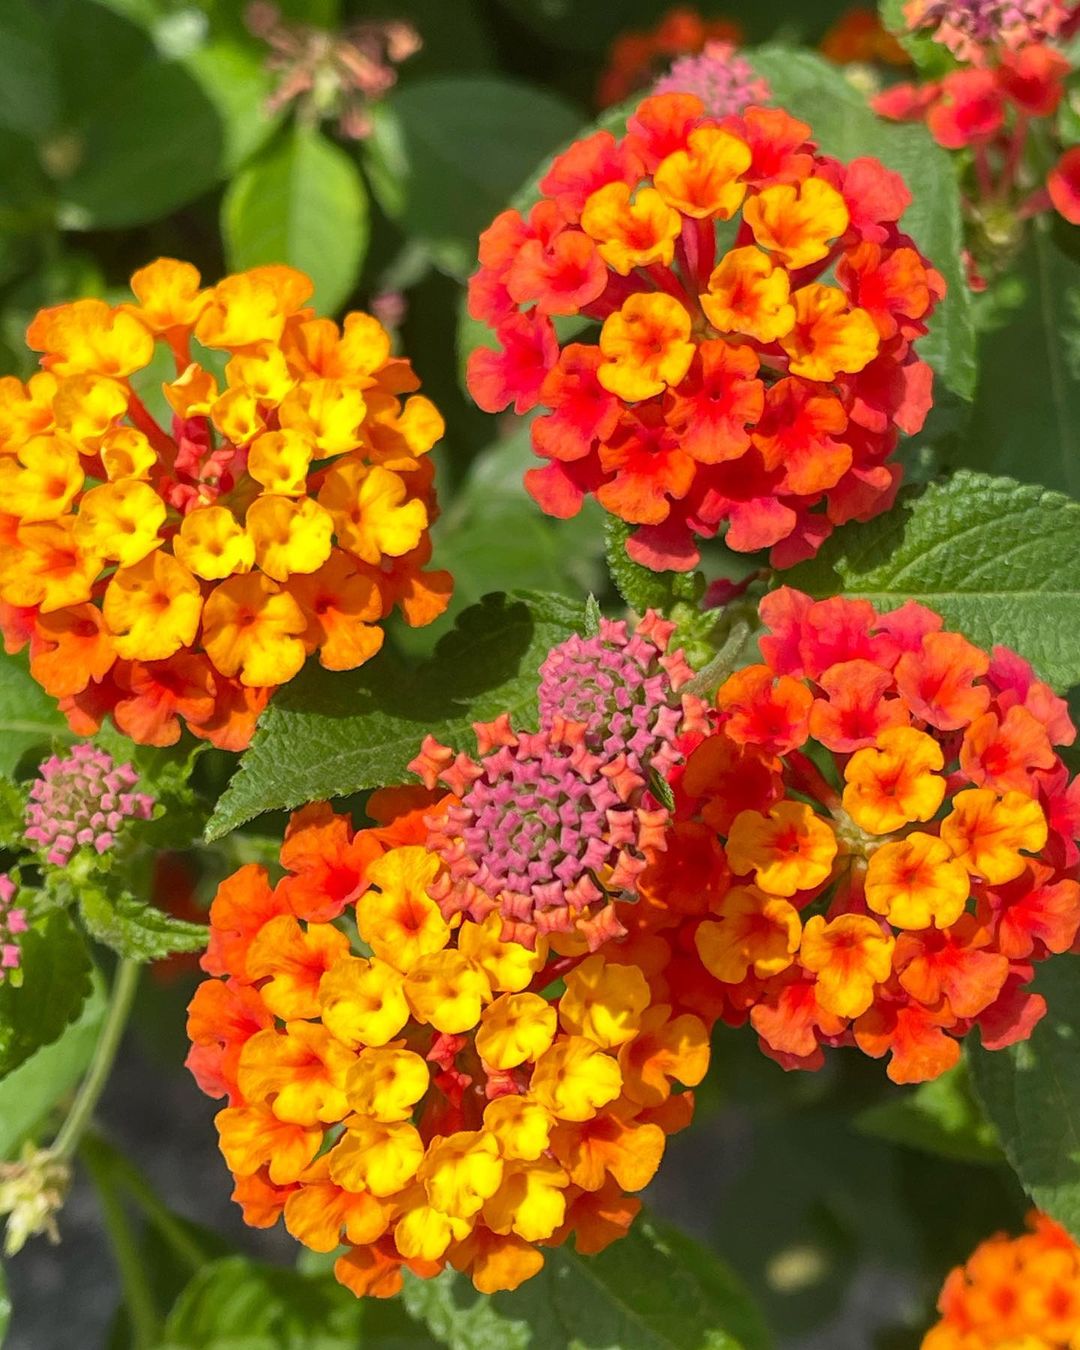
82 800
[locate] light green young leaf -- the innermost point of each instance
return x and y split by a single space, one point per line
331 734
1031 1092
652 1290
55 971
301 201
135 929
999 560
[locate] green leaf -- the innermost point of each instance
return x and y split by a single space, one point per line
29 718
29 88
941 1117
238 1303
135 929
153 142
30 1092
55 982
447 154
301 201
999 560
843 125
329 734
652 1290
1031 1091
1026 420
492 537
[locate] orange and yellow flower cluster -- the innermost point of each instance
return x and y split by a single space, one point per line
888 833
434 1094
1013 1294
177 574
756 309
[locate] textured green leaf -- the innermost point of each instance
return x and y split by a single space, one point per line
30 1092
1026 420
300 201
942 1117
55 971
447 154
135 929
999 560
29 719
653 1290
1031 1091
329 734
234 1303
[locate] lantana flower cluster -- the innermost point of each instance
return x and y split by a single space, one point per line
550 829
442 1099
974 29
1022 1292
725 82
82 799
891 833
755 309
638 57
455 1094
176 575
999 107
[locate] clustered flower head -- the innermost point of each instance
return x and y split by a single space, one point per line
636 58
329 74
972 29
891 837
999 109
82 799
32 1194
725 384
549 829
12 923
169 574
443 1098
723 80
1019 1292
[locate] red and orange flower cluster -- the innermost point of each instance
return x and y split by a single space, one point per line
730 385
999 106
177 575
889 835
1013 1294
443 1099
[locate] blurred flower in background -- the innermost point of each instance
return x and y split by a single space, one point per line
329 75
637 58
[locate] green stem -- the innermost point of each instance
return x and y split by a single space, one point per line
125 1174
138 1297
82 1109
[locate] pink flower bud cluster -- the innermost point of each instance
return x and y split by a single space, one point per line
550 828
81 799
12 923
723 80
